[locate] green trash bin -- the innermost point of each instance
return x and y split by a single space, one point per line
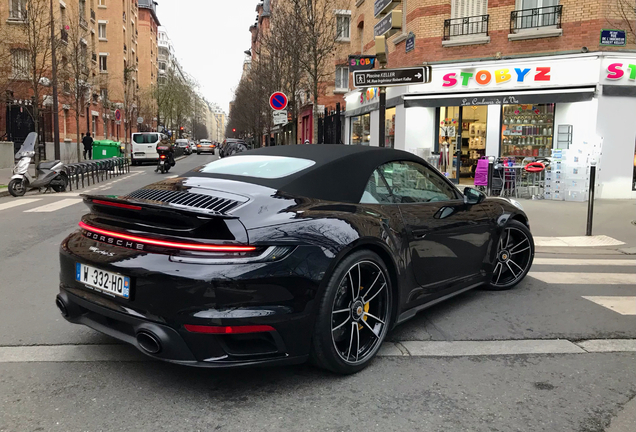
105 149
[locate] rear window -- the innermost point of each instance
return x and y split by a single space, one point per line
145 138
267 167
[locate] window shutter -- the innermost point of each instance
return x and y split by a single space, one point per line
468 8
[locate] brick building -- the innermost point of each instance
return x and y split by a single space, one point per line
534 65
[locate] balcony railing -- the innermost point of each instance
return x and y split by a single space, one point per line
64 35
83 22
549 16
125 48
92 15
475 25
94 57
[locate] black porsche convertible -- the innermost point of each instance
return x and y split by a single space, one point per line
284 254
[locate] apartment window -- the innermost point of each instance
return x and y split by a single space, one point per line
18 9
20 64
343 25
536 13
83 54
103 93
102 31
82 10
468 17
101 3
103 63
94 125
342 78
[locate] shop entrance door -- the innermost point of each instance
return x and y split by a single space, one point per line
450 142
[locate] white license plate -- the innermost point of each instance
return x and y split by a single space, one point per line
106 281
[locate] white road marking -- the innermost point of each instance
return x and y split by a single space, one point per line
608 345
126 353
18 202
584 262
481 348
577 241
584 278
624 305
55 206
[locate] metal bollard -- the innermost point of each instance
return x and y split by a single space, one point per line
491 164
590 200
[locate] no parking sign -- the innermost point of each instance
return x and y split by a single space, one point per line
278 101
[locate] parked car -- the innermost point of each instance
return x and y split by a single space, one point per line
184 144
205 146
265 258
193 146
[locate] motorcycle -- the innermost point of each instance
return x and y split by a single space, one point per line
49 175
165 161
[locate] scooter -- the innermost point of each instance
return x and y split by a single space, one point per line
165 161
49 175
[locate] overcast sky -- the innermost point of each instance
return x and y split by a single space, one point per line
209 37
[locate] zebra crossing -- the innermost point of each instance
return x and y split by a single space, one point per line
614 278
47 203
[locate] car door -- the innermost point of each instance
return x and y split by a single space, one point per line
448 239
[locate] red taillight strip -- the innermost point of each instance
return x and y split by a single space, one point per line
228 330
114 204
169 244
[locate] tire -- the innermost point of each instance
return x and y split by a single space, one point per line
333 341
515 253
62 187
162 169
17 187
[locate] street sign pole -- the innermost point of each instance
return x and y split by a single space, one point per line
382 125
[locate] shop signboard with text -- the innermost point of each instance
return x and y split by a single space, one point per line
619 71
509 75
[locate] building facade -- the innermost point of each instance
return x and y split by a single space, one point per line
510 79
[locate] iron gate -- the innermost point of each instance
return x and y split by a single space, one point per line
330 126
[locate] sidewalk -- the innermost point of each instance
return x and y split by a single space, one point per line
613 218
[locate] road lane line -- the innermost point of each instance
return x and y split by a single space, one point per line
18 202
585 278
126 353
55 206
623 305
577 241
608 345
486 348
584 262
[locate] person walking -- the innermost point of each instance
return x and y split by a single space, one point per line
88 146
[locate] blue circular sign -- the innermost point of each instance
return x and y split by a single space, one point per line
278 101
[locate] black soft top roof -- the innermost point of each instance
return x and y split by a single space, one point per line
340 174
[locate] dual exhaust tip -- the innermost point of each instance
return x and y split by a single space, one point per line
146 340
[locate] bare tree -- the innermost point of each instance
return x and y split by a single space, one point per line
129 101
147 106
74 69
625 12
31 52
317 33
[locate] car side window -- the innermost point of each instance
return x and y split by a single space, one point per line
411 182
376 190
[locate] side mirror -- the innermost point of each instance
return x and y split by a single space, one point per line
473 196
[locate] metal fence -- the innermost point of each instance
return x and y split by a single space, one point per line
330 126
466 26
95 171
549 16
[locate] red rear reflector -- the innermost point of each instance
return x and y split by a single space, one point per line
228 330
169 244
114 204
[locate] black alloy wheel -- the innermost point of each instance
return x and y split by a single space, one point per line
354 314
515 252
17 187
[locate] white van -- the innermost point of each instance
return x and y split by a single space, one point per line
144 146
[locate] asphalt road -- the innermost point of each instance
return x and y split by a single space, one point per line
107 387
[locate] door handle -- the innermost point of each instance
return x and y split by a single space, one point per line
419 234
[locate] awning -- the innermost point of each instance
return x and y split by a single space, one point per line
577 94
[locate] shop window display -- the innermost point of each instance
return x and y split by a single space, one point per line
361 129
389 129
527 130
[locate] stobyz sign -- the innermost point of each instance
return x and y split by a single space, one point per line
392 77
360 62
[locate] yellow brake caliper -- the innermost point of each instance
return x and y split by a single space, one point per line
366 309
